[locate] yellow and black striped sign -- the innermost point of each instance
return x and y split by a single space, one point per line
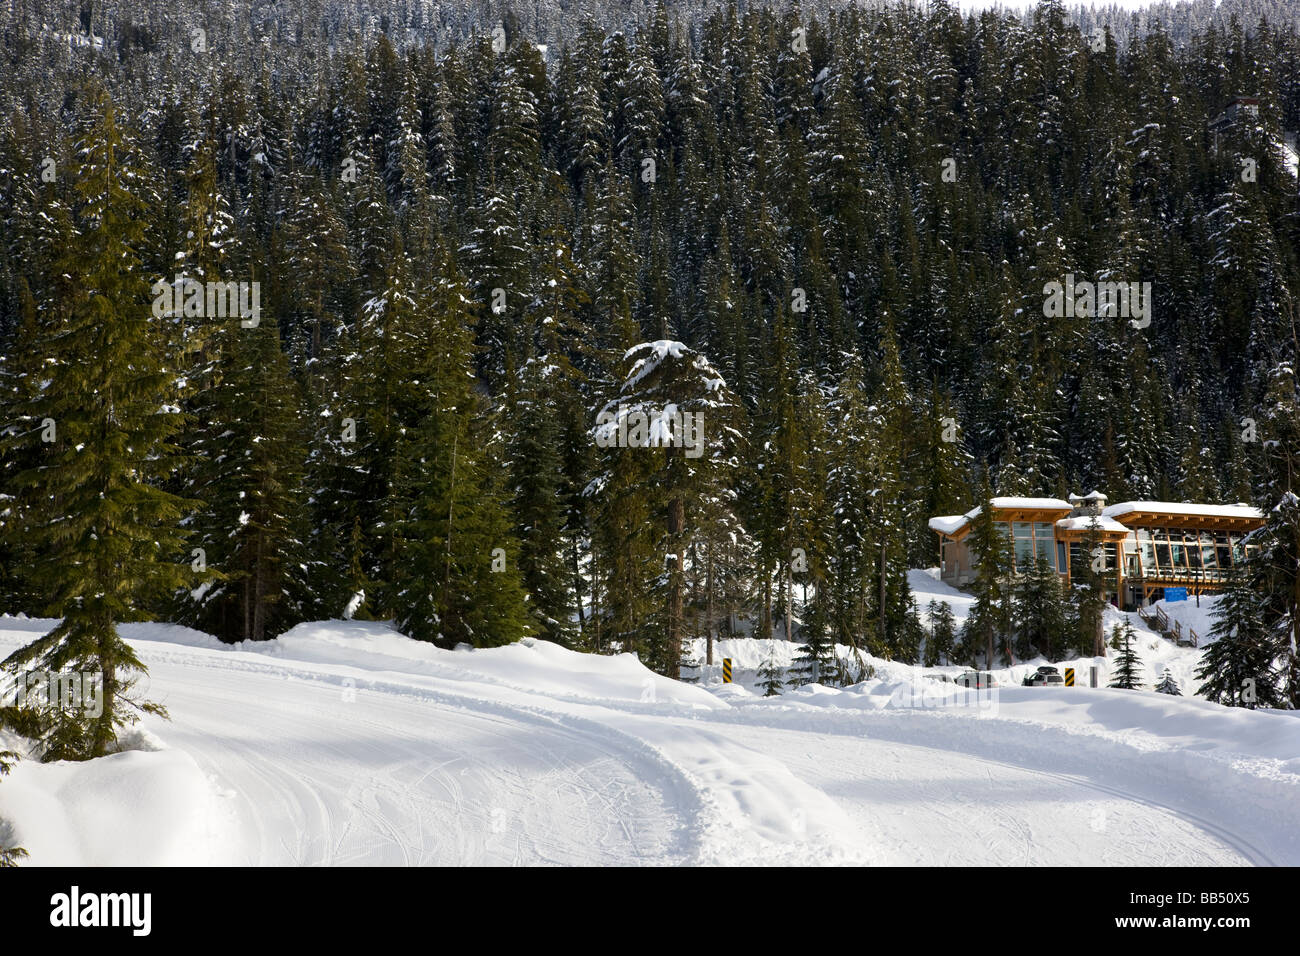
726 670
1069 677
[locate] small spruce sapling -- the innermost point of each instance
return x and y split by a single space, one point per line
769 678
1168 685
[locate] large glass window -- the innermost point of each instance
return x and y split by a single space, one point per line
1146 550
1022 540
1160 540
1045 543
1225 551
1192 548
1177 560
1208 558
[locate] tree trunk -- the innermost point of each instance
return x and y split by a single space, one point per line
766 626
104 733
259 589
884 635
708 659
676 519
577 584
789 600
595 596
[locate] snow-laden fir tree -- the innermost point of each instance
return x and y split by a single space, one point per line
1168 685
670 427
1278 562
1128 666
247 470
1238 668
1088 574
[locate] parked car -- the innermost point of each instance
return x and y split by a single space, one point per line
978 679
1043 677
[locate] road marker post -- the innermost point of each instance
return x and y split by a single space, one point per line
726 670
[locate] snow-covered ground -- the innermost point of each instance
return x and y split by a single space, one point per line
346 743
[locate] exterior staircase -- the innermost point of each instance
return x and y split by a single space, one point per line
1157 619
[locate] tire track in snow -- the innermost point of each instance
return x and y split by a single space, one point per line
612 782
760 818
893 726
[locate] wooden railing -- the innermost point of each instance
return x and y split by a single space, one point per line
1200 576
1173 630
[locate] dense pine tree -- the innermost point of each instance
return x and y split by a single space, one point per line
1238 668
1040 613
939 642
459 577
989 623
108 535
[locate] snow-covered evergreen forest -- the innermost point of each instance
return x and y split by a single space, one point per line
466 242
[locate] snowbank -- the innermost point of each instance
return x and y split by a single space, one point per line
533 665
135 808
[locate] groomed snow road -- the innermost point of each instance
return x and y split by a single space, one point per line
343 743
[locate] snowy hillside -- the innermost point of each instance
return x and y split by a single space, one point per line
346 743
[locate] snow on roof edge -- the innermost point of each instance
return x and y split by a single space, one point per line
1184 508
1083 522
947 524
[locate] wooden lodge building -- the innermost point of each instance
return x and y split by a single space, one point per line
1148 545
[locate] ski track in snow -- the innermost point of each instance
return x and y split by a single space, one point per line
408 778
975 811
326 763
